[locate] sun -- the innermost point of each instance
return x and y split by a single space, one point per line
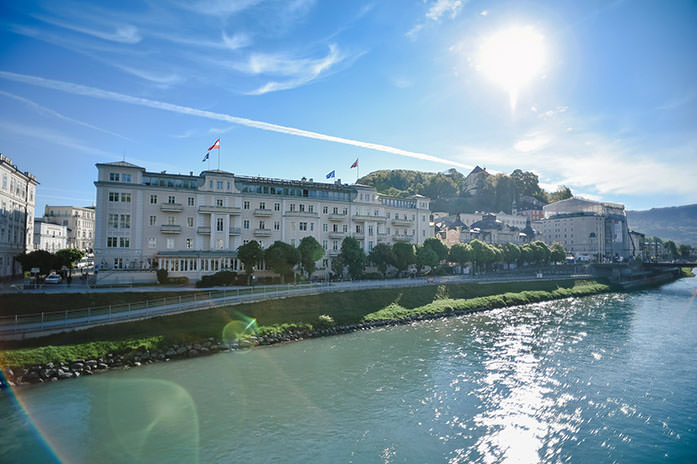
512 57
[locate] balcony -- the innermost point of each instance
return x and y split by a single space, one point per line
235 231
204 230
263 212
301 214
337 217
402 222
171 207
402 238
219 210
170 229
367 217
262 232
337 235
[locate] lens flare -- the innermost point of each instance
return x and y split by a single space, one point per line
239 329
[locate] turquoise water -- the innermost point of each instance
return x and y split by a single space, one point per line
609 378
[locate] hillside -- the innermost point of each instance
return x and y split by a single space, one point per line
678 223
454 192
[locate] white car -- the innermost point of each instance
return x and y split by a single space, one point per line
53 279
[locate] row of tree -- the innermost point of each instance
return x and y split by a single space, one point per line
46 261
281 257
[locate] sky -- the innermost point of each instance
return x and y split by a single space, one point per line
600 96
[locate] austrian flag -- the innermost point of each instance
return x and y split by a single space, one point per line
215 145
355 164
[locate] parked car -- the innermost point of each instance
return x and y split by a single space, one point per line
53 279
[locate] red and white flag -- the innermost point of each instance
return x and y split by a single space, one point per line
355 164
215 145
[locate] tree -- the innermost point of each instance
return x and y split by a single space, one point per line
671 248
540 252
403 256
685 251
381 256
353 256
338 266
460 253
437 245
526 183
425 256
558 254
478 254
42 259
250 254
69 257
310 252
563 192
282 258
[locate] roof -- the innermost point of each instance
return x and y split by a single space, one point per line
121 164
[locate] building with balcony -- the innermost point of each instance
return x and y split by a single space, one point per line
17 205
78 220
49 236
193 224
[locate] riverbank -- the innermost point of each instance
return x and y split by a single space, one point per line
222 329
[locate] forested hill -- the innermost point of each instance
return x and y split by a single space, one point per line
454 192
678 223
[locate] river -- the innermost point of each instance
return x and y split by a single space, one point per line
606 378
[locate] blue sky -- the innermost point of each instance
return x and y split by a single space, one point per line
300 87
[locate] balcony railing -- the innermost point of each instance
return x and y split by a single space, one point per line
402 238
367 217
171 207
402 222
235 231
263 212
262 232
338 235
337 217
204 230
301 214
170 229
208 209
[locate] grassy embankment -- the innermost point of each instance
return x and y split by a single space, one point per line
687 272
275 316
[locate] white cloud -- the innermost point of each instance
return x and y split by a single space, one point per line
444 7
234 42
532 142
77 89
220 8
161 79
123 34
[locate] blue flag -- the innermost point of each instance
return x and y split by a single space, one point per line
205 157
331 174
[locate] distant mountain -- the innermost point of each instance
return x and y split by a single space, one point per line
677 223
453 192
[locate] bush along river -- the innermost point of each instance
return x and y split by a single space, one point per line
606 378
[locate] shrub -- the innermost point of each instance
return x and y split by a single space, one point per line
178 280
372 276
221 278
162 276
324 322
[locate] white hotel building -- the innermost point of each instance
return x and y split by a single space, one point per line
192 225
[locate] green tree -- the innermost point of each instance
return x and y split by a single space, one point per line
381 256
310 252
437 245
526 183
250 254
671 248
510 253
41 259
338 266
478 254
460 253
69 257
353 256
439 186
282 258
425 256
562 193
403 256
685 251
558 254
527 254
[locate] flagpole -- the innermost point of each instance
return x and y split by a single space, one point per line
358 167
218 154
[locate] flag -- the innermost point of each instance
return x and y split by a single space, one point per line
215 145
355 164
205 157
331 174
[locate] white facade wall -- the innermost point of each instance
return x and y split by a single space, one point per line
49 237
511 220
17 204
193 225
78 220
579 235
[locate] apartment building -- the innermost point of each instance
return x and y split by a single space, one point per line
17 204
587 228
192 225
78 220
49 236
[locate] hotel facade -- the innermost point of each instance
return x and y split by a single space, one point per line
192 225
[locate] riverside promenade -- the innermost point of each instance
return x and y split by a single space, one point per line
25 326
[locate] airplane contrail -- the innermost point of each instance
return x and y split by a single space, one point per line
78 89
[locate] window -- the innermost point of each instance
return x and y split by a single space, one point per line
188 243
170 243
303 226
344 228
118 263
219 224
335 228
262 205
111 242
292 206
245 205
276 225
325 210
171 220
113 177
335 210
153 199
152 242
324 244
219 185
312 226
171 199
358 229
126 178
245 224
335 245
370 244
125 221
311 208
324 227
113 196
113 221
370 230
219 203
262 225
190 221
387 215
345 211
302 208
277 207
124 242
125 197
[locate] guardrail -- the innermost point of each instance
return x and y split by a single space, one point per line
38 324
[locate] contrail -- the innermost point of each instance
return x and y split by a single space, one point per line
84 90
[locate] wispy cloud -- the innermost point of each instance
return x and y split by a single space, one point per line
49 112
126 33
77 89
679 101
218 8
163 80
226 42
435 12
53 137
